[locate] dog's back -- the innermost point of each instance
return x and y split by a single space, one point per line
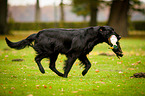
57 39
62 33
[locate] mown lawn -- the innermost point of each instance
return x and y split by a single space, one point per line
108 76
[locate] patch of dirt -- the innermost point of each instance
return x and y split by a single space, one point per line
6 49
106 54
15 60
138 75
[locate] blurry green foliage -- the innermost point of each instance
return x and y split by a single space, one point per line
42 25
135 25
81 10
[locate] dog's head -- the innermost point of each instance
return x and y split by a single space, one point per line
111 38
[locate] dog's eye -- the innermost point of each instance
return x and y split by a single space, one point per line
101 30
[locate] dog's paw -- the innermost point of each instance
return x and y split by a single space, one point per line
84 73
42 70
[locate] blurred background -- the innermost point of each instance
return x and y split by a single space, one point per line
127 17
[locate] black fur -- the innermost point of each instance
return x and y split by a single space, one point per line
74 43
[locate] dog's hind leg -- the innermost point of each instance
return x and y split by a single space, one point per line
38 59
86 62
52 65
68 65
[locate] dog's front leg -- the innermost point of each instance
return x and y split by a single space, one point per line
86 62
68 66
52 65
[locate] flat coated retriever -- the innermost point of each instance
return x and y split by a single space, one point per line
74 43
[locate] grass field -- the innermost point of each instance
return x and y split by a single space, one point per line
108 76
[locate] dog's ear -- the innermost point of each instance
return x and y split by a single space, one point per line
103 31
90 30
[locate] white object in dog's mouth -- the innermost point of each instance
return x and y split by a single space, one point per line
113 40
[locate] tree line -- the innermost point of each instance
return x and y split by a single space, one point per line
119 12
118 18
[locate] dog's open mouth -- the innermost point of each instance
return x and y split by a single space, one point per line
115 46
118 51
119 54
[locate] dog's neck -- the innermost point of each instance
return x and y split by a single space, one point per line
99 39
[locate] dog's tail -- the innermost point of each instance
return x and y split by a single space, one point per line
21 44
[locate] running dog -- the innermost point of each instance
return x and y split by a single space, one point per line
74 43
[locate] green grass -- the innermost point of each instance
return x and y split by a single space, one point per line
113 79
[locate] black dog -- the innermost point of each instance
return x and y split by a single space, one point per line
74 43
